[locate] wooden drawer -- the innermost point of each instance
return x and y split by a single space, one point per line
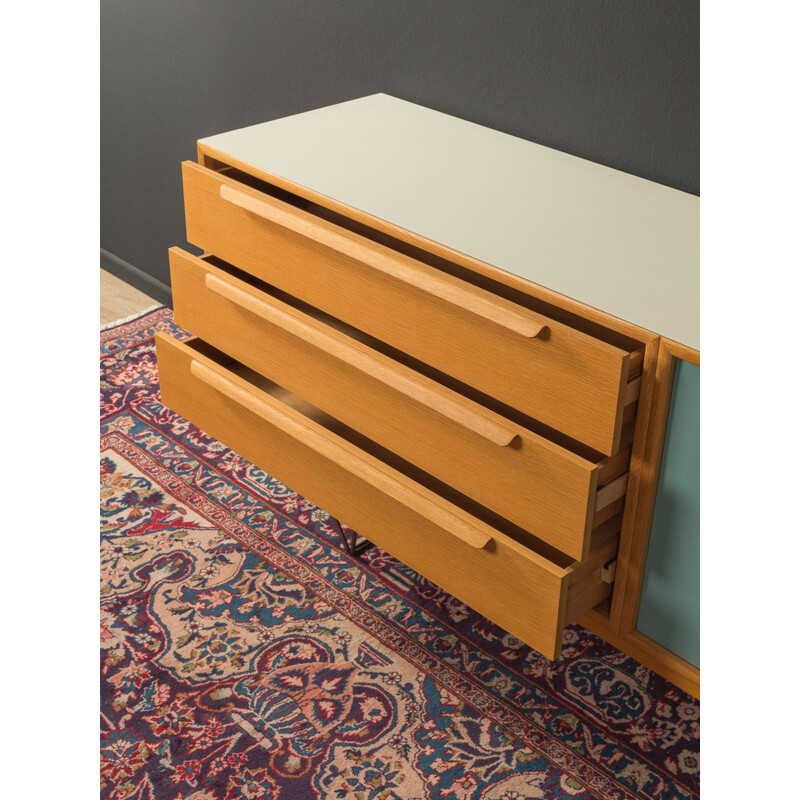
542 487
569 380
531 593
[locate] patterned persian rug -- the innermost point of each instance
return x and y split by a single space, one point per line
245 655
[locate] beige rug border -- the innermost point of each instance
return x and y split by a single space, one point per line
130 318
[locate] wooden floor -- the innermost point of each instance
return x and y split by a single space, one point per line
118 300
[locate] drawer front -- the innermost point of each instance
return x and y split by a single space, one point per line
567 379
526 478
521 590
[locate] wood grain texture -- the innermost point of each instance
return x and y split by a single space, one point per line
639 475
619 627
533 482
567 379
635 546
467 298
215 159
522 591
434 397
634 556
366 470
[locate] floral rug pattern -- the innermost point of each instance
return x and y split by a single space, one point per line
245 655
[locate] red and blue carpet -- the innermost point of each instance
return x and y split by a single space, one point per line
245 655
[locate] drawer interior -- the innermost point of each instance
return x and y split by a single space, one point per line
615 338
609 525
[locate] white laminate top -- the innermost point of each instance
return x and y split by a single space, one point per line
625 245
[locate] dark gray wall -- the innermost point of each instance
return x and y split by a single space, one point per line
614 81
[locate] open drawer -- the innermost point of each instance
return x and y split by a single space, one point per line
572 381
524 585
555 494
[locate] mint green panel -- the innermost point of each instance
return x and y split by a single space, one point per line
669 611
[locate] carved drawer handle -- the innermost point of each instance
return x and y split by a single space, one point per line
449 404
369 472
403 268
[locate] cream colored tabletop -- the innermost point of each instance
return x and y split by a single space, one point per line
622 244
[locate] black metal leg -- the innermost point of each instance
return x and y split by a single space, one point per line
351 544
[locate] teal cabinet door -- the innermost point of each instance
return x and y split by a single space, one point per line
669 611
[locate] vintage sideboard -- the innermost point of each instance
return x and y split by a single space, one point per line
476 352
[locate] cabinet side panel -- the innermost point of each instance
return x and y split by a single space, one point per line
669 612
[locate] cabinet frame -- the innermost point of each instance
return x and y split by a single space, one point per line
614 622
619 627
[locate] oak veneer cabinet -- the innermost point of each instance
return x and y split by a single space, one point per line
458 343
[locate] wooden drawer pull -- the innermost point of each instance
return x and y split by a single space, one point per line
423 505
450 405
402 268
